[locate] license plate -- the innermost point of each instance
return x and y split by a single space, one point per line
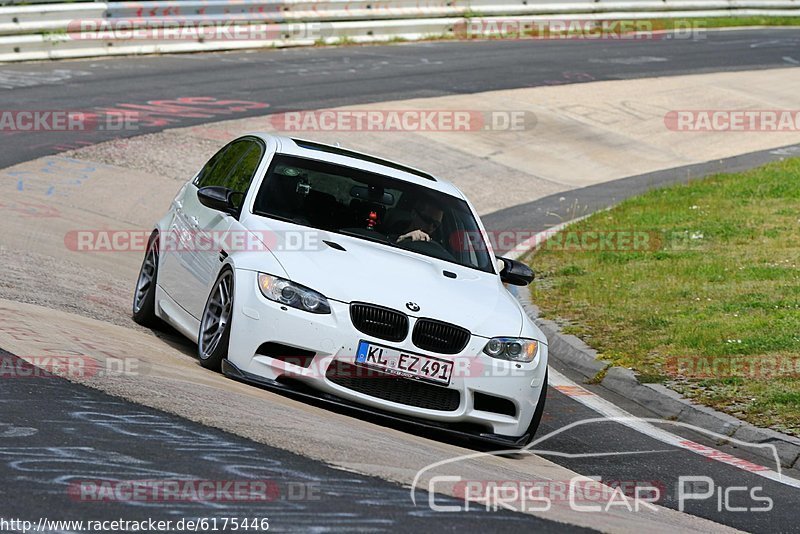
405 364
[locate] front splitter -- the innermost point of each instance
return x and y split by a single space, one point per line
307 394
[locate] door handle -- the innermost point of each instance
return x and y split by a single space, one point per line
194 222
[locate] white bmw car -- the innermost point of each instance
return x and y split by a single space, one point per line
315 270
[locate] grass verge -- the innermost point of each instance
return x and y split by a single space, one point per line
684 28
732 22
696 286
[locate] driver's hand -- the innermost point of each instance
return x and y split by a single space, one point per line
415 235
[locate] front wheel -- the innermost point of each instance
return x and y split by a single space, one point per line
215 326
144 296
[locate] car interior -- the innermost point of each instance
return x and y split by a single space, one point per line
297 192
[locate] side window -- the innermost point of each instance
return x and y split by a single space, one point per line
205 172
239 177
219 167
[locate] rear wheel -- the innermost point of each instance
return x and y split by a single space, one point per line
144 296
215 326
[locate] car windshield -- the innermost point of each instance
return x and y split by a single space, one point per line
373 207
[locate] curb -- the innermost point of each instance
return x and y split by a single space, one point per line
577 355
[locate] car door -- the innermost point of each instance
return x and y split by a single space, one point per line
179 241
212 229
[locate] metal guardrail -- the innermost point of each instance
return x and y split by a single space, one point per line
298 10
86 29
44 18
29 2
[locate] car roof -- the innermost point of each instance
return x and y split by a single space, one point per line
359 160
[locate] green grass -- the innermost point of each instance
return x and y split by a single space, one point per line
681 26
622 28
716 279
727 22
722 22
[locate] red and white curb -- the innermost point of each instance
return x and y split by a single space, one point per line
648 427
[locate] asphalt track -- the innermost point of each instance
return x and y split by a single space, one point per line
66 446
304 78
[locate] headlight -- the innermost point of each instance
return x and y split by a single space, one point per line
291 294
512 348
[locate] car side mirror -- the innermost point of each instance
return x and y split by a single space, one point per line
515 272
217 198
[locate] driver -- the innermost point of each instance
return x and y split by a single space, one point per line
426 217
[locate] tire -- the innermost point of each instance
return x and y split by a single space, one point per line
144 294
215 325
537 415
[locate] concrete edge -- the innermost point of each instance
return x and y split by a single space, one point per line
669 404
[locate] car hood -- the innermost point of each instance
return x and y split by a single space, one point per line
378 274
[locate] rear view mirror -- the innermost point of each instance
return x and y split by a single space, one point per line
362 192
515 272
217 198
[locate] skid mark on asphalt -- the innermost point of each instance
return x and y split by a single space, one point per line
14 79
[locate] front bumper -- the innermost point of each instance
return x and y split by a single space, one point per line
333 338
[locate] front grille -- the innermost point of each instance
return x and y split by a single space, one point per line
393 388
437 336
379 322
